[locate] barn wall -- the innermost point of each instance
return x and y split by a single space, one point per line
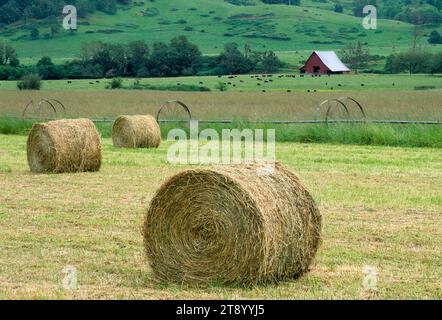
315 61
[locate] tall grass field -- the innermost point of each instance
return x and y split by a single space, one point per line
405 135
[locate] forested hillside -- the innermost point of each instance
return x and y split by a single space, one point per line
414 11
15 10
34 27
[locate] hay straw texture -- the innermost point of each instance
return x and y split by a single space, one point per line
64 146
136 132
229 225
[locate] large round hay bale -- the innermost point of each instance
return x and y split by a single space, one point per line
231 225
136 132
64 146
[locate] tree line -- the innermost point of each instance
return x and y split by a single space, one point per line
177 58
416 60
412 11
180 57
15 10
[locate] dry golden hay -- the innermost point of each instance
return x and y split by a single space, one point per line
64 146
136 132
231 225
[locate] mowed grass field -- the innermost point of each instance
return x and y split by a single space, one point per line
381 206
258 83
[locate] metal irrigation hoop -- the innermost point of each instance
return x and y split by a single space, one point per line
59 103
342 102
328 102
331 106
26 108
168 103
51 102
357 103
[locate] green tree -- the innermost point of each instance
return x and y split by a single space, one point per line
138 58
435 37
339 8
416 61
180 57
47 69
270 62
413 61
355 56
358 6
54 26
187 55
233 61
8 55
35 33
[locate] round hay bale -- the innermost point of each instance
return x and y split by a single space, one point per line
231 225
136 132
64 146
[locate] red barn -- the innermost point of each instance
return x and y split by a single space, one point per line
324 62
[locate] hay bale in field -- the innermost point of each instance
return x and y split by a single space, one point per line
231 225
64 146
136 132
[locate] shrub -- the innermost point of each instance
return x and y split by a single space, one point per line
30 82
339 8
435 37
221 86
116 83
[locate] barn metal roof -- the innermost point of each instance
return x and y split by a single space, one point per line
332 61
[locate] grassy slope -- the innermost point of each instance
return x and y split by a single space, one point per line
381 206
302 24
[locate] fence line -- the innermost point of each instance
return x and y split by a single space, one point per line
429 122
294 121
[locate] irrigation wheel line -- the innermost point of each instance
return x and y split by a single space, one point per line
50 102
342 102
357 103
274 122
168 103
